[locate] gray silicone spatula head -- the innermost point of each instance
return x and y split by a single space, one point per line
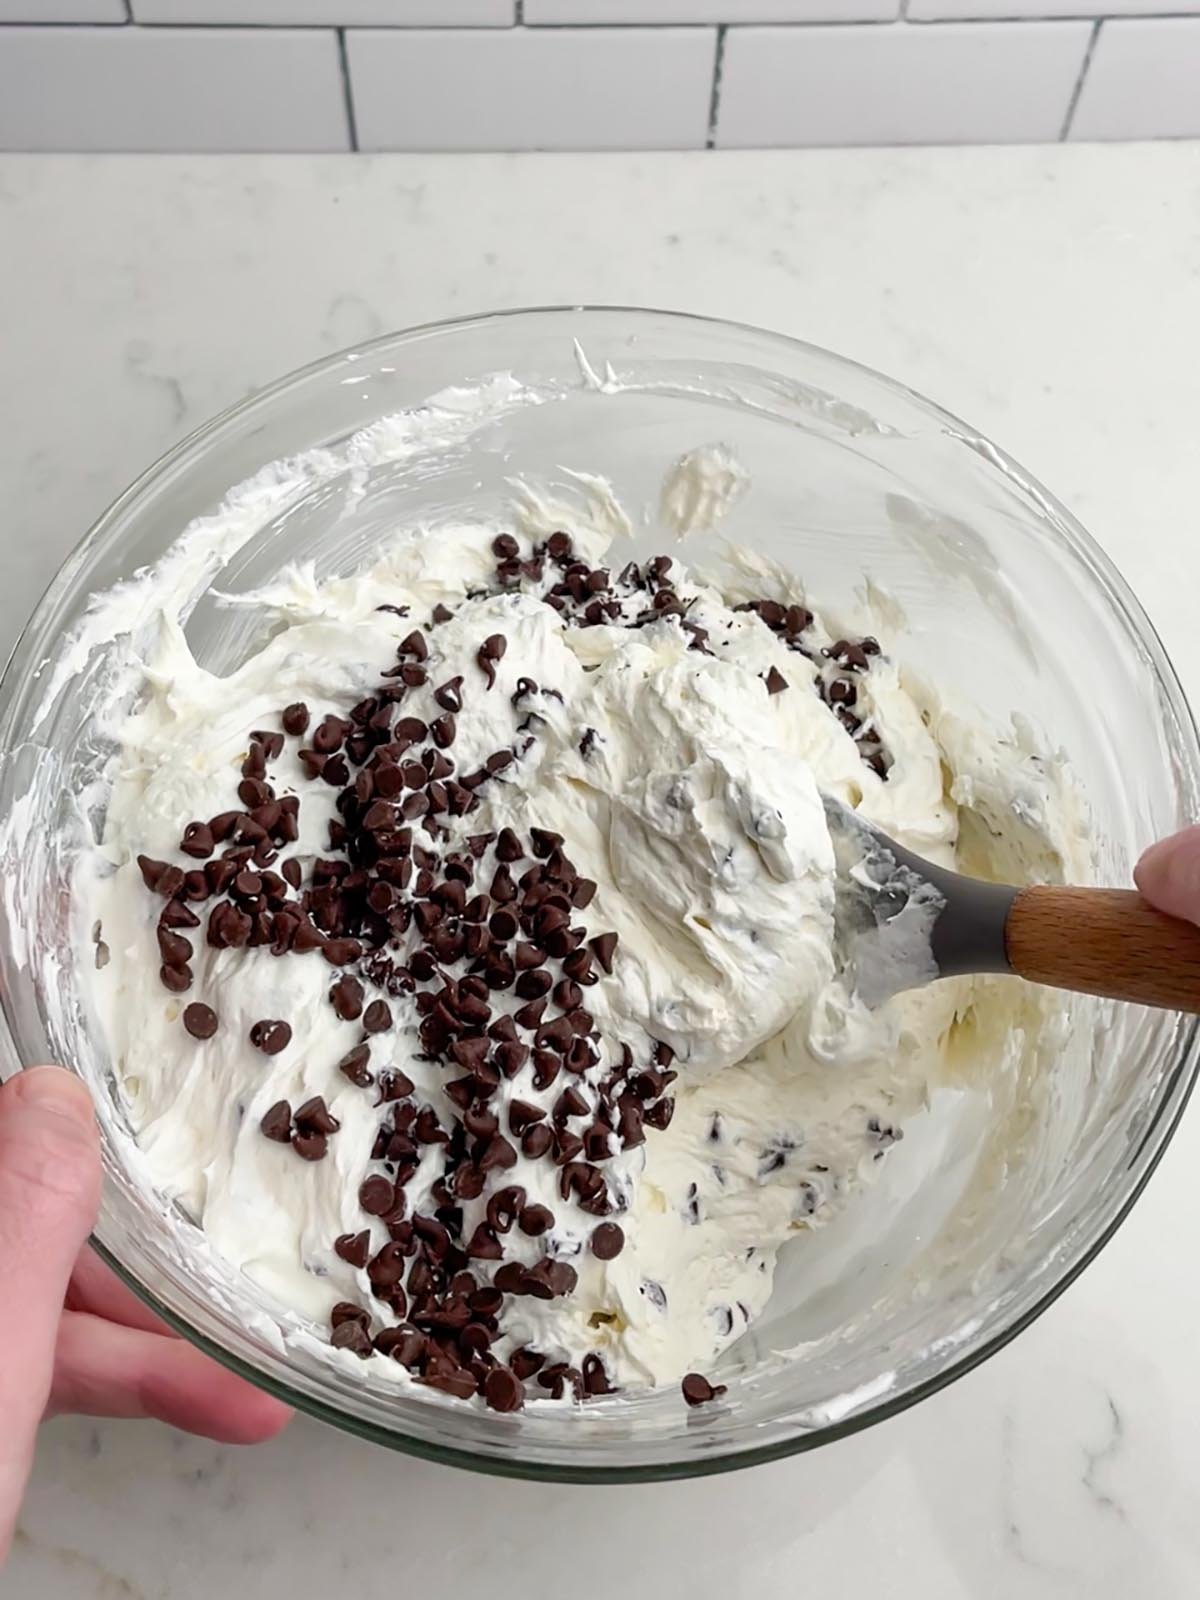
900 921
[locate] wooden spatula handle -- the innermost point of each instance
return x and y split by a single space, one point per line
1106 942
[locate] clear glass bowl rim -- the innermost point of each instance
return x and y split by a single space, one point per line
1173 1094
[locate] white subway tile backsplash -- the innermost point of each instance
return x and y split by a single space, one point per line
170 89
63 11
943 83
939 10
1143 82
574 12
538 89
332 13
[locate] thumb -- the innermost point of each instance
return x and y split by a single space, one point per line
1169 874
49 1195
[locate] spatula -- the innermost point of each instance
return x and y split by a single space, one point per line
902 922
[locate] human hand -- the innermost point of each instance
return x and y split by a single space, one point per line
72 1338
1168 874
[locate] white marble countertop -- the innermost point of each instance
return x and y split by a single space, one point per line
1050 296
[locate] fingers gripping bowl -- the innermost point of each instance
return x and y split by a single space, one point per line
1029 1126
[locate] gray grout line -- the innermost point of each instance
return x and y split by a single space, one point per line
603 27
714 102
1078 89
347 89
931 23
518 13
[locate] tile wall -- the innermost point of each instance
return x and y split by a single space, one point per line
591 74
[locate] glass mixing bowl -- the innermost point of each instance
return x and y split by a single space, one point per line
1006 603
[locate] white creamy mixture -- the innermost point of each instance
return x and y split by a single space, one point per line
682 761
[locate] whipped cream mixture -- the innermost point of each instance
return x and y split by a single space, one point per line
467 955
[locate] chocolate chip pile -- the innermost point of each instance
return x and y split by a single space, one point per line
481 940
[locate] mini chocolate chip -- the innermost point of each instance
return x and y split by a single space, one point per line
254 792
218 875
534 984
314 1116
174 948
353 1065
535 1220
377 1196
530 1016
504 1207
177 979
352 1336
697 1390
659 1115
537 1141
508 847
522 1114
546 1067
295 718
197 840
448 695
527 955
549 1279
394 1085
629 1125
503 1390
556 1035
329 735
775 681
608 1240
346 997
481 1123
347 1311
503 888
570 1103
567 994
511 1057
484 1245
595 1377
353 1248
270 1036
341 952
152 871
499 1154
414 645
176 915
489 652
604 944
378 1017
200 1020
276 1122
